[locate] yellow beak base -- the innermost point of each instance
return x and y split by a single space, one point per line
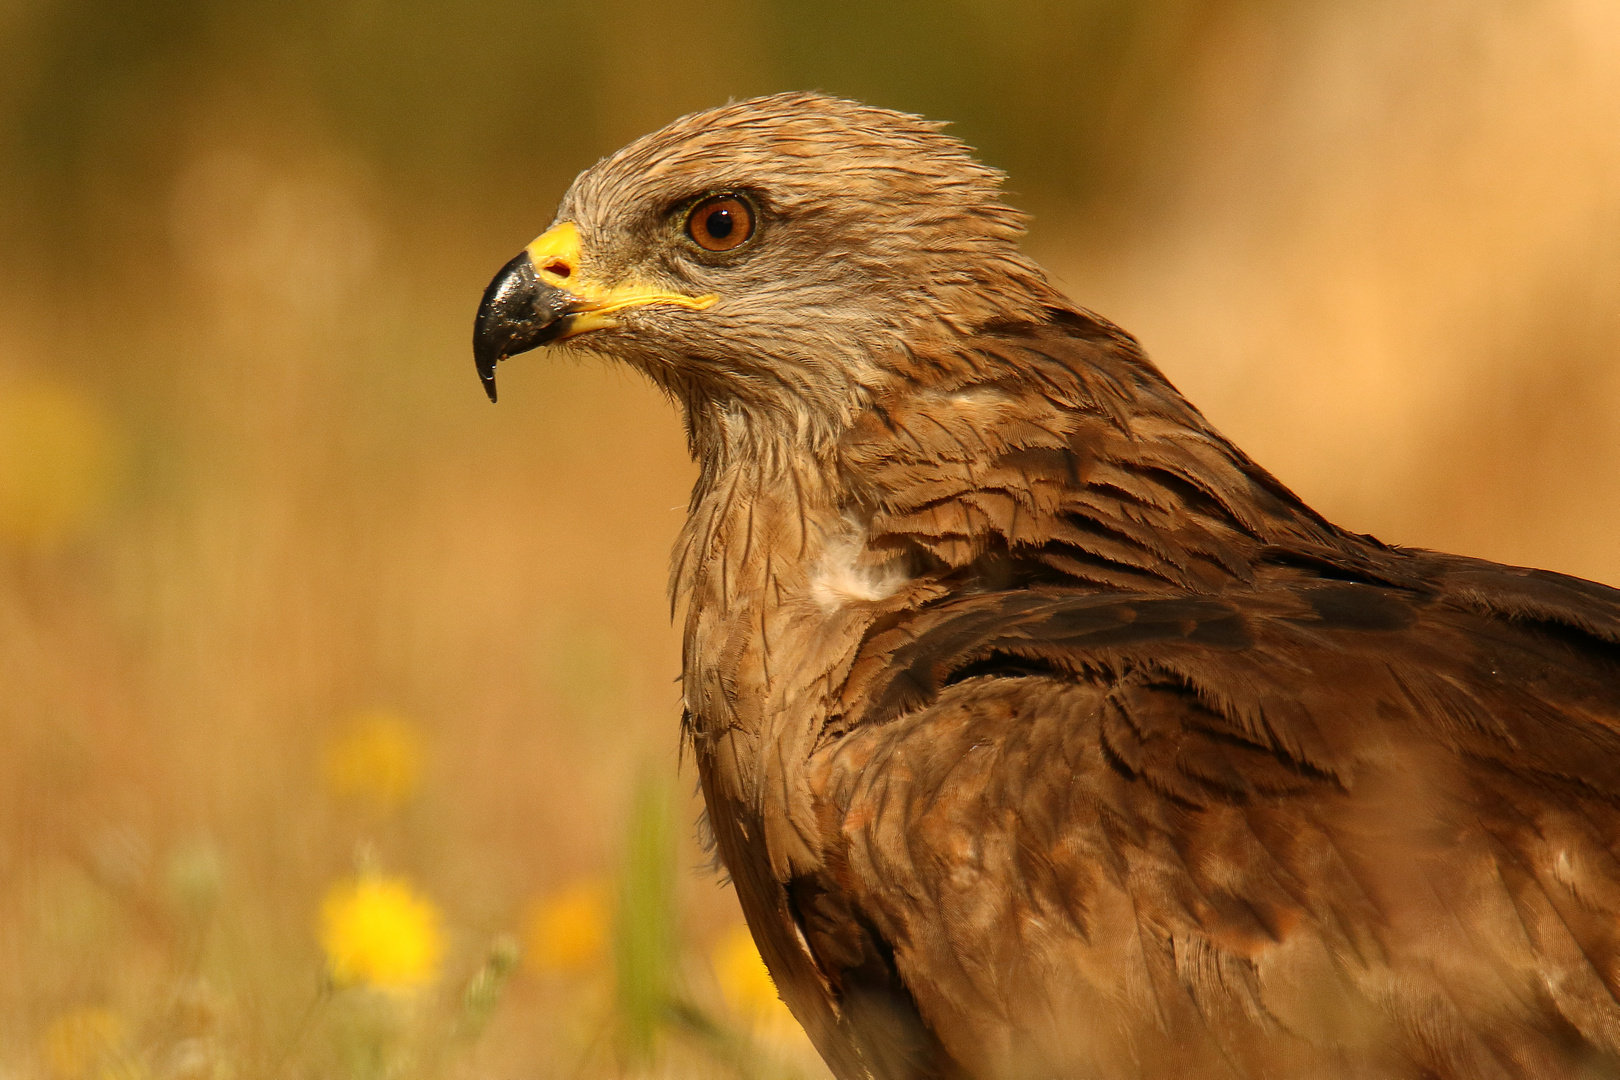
556 255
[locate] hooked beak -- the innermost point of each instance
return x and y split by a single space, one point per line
540 297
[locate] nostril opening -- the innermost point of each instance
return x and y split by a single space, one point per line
558 267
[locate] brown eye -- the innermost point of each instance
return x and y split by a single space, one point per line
720 223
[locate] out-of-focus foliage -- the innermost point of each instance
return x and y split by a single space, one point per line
645 945
57 457
568 930
378 932
378 758
746 984
249 486
91 1042
1062 92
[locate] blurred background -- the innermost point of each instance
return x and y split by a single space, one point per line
338 729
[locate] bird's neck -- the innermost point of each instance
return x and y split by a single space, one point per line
767 529
1038 460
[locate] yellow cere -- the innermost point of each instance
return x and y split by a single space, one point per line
568 930
556 254
376 757
379 932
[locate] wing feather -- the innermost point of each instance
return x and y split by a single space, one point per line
1175 778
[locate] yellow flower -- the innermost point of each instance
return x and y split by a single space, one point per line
746 984
378 932
377 757
568 930
87 1044
57 459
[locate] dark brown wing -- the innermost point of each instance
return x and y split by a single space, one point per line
1322 828
1180 780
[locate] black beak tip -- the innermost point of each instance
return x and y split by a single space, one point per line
518 313
485 357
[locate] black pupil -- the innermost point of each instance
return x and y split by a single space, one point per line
718 223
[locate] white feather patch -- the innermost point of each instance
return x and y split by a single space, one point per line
841 579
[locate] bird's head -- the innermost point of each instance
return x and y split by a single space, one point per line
768 253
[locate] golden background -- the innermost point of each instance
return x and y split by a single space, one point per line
327 689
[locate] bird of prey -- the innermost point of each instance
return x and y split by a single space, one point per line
1042 732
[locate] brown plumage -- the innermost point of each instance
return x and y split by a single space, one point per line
1044 734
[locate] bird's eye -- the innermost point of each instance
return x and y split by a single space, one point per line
720 223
